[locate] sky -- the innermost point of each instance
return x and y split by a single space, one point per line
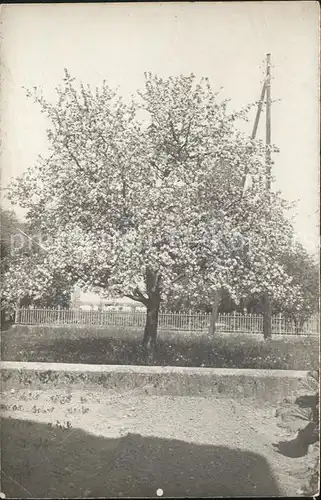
227 42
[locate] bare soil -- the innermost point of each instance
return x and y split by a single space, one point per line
60 444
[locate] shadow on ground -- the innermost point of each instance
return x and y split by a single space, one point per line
41 461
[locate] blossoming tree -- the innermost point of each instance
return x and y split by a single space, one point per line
21 253
147 198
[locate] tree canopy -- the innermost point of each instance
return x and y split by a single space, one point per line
147 198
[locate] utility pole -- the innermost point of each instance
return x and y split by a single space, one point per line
259 110
267 319
268 123
256 124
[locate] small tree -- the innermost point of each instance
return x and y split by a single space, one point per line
145 199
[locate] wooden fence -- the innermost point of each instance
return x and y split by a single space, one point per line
188 322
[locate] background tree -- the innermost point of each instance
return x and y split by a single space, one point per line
146 199
20 256
304 271
305 275
9 224
299 265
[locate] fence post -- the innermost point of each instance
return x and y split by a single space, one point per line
59 315
17 312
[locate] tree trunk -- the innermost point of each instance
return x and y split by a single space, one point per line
152 281
152 304
267 318
298 324
214 312
150 332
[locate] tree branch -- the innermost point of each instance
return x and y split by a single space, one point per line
173 130
138 297
187 136
179 277
73 157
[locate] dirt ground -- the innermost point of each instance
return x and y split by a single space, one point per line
60 444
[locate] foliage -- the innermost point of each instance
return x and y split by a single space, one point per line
146 199
20 255
303 270
305 273
305 276
10 226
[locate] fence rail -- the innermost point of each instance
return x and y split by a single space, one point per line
189 322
